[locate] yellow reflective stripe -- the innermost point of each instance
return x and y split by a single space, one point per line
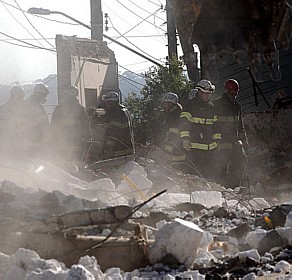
216 136
202 120
185 133
223 146
228 118
173 130
186 115
199 146
168 148
178 158
209 121
215 119
198 120
204 147
213 146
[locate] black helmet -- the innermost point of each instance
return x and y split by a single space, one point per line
17 91
40 89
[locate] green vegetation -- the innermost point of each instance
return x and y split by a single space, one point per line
145 109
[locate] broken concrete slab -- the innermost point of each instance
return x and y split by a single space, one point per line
179 238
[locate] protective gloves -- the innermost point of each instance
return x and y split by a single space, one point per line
187 144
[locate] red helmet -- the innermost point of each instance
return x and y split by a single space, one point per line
231 84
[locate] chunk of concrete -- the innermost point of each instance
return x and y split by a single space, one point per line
254 238
207 198
179 238
135 185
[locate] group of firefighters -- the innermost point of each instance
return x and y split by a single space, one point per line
70 135
202 137
207 138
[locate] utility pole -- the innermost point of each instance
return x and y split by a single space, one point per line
171 33
96 20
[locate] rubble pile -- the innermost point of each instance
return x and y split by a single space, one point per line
138 221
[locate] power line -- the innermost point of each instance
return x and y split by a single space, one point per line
32 24
131 80
45 18
127 80
11 43
131 71
155 3
131 42
20 23
31 39
145 9
138 15
136 24
38 47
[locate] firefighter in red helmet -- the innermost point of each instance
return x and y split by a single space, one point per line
232 154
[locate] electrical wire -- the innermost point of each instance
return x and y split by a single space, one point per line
155 3
11 43
133 27
131 71
31 39
131 42
45 18
145 9
20 24
136 63
32 24
37 47
123 77
137 14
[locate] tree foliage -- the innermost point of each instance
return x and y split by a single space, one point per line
145 109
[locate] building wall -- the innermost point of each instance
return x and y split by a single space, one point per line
270 129
232 69
88 64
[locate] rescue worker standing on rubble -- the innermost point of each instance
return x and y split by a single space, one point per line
119 138
199 131
69 128
34 124
172 142
234 141
9 121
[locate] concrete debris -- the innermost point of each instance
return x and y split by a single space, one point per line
58 226
168 241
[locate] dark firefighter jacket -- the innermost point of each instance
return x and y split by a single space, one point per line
172 142
70 130
34 127
9 126
230 122
198 124
119 140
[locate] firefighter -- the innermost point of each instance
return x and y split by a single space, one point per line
234 141
34 124
119 140
69 128
199 131
172 142
9 116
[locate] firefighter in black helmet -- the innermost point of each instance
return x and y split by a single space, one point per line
119 138
9 121
199 131
171 140
34 123
69 128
